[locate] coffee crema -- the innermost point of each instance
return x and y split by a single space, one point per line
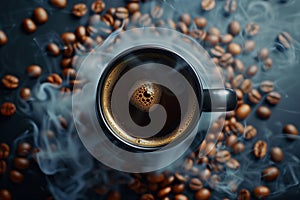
145 94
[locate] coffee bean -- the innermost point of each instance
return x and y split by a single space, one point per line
121 13
200 22
29 26
232 164
16 176
202 160
178 188
263 54
214 31
68 37
10 81
250 132
251 29
208 4
261 192
231 140
244 194
273 98
270 173
234 49
284 41
237 128
186 18
251 70
25 93
147 197
266 86
226 39
195 184
5 194
237 81
3 38
133 7
238 147
276 154
268 63
290 129
217 51
59 3
226 59
254 96
249 46
205 174
230 6
114 195
8 109
34 71
180 197
198 34
68 51
157 12
24 149
3 167
79 10
80 32
53 49
223 156
54 79
234 27
246 86
4 151
243 111
21 163
263 112
238 65
94 20
40 15
210 149
164 192
155 178
260 149
202 194
97 6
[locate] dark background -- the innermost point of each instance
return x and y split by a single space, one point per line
23 50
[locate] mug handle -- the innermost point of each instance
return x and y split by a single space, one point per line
219 100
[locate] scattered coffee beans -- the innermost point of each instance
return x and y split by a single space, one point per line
208 4
244 194
16 176
4 151
21 163
200 22
276 154
79 10
270 173
25 93
10 81
59 3
24 149
3 38
260 149
5 194
251 29
243 111
53 49
98 6
290 129
273 98
254 96
34 71
263 112
285 41
29 26
8 109
266 86
261 192
234 27
40 15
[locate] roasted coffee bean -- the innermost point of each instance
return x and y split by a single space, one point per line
270 173
98 6
223 156
251 70
68 37
251 29
263 54
261 192
69 73
233 164
79 10
260 149
263 112
59 3
244 194
266 86
284 41
155 178
8 109
237 81
231 140
198 34
238 147
250 132
238 65
178 188
276 154
230 6
186 18
202 194
200 22
234 27
68 51
66 62
226 59
157 12
80 32
168 181
147 197
254 96
214 31
243 111
53 49
208 4
239 94
25 93
24 149
182 27
114 195
180 197
290 129
212 40
246 86
16 176
217 51
54 79
29 26
237 128
210 149
268 63
21 163
249 46
10 81
4 151
204 174
5 194
40 15
34 71
234 49
121 13
164 192
195 184
226 39
133 7
3 167
3 38
273 98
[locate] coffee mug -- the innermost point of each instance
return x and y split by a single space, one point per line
150 94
